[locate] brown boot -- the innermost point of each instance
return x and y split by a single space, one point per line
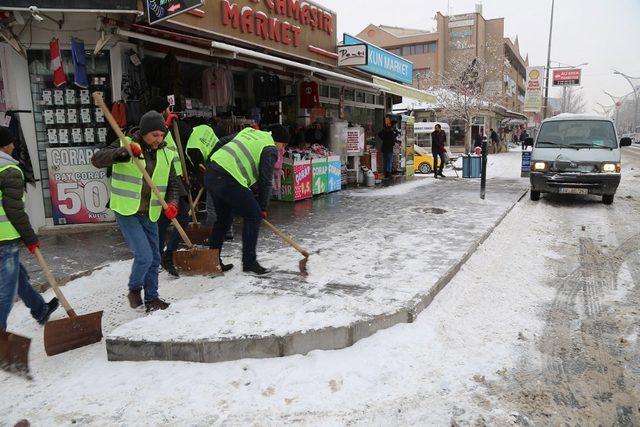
156 304
135 299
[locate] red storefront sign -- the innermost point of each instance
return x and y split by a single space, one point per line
567 77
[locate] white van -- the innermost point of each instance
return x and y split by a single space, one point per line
577 154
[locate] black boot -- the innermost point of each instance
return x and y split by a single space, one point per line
225 267
255 268
51 307
167 263
135 299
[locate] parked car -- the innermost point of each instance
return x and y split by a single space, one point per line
423 161
577 154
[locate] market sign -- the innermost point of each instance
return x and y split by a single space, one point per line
159 10
353 55
535 87
76 5
79 191
567 77
382 63
295 27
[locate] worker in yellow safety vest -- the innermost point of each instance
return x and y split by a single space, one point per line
136 207
247 160
16 230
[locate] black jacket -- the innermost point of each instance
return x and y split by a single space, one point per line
114 153
438 141
389 137
12 187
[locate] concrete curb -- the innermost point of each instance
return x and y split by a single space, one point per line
297 343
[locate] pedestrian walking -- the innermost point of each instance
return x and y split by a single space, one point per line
523 139
136 207
16 230
389 136
439 150
247 160
169 244
495 139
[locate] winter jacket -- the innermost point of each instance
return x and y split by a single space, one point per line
438 141
114 153
389 136
12 187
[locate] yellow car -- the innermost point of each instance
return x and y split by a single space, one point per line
423 162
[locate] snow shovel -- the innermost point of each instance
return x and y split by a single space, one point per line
192 261
14 353
198 233
303 262
74 331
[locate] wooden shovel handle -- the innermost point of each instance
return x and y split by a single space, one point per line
197 200
116 128
286 238
185 175
54 284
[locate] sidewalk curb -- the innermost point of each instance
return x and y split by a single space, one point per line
298 343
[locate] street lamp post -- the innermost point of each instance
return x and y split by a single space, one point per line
616 104
635 93
546 89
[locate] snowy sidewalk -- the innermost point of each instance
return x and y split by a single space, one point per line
384 255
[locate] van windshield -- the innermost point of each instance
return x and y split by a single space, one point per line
577 134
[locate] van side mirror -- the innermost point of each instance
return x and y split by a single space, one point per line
625 142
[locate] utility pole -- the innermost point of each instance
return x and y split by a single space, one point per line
546 88
616 103
635 92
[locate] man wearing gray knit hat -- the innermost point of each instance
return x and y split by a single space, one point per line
133 202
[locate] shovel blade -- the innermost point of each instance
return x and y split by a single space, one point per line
198 262
199 234
14 353
302 265
72 332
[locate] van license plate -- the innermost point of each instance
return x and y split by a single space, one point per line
568 190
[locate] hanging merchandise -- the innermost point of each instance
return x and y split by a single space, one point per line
59 77
266 87
309 95
119 113
218 87
80 77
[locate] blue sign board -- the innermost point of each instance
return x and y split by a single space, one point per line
383 63
526 164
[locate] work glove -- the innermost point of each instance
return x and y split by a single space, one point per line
136 149
171 211
264 214
32 247
170 118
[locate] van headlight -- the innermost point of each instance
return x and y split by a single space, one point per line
611 167
539 166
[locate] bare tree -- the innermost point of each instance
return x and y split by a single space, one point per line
573 101
471 85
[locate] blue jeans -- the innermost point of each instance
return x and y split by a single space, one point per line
438 170
228 197
387 161
174 237
141 235
14 278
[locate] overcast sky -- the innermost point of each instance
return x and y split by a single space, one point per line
604 33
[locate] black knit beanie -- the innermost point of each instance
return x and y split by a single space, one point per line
151 121
6 137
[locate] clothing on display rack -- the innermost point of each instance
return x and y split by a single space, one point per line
218 87
78 54
134 83
309 95
119 112
266 87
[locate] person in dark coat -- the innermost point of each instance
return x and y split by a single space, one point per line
15 231
389 136
439 150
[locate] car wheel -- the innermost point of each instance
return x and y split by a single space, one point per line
424 168
535 195
607 199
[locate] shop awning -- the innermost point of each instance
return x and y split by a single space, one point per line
404 91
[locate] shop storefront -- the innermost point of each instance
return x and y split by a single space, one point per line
232 63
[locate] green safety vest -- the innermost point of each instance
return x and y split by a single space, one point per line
171 145
204 139
241 156
7 230
127 180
